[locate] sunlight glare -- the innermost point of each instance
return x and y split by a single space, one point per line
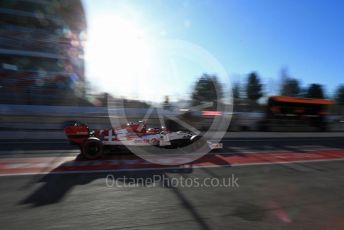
118 54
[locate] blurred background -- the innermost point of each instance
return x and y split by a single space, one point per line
64 60
271 69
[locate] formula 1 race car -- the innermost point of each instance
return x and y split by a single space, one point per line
93 142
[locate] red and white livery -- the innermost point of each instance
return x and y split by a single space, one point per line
92 142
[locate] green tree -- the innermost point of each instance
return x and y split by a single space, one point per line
290 87
339 96
207 89
236 91
254 88
315 91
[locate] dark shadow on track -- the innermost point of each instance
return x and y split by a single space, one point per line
55 187
56 184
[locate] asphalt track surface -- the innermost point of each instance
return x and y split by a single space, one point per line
284 182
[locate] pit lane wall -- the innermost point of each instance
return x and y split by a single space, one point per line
54 118
38 117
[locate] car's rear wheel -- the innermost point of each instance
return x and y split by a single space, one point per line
92 148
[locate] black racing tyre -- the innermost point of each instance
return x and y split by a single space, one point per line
92 148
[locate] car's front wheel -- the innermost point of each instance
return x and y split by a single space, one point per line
92 148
